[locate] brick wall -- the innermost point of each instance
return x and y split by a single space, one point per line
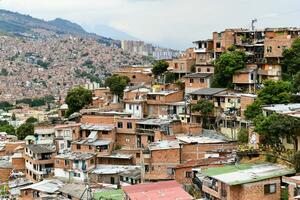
160 162
198 151
4 174
18 164
254 191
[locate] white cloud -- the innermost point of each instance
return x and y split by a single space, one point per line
173 23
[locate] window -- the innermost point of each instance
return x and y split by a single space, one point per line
218 45
137 107
191 80
67 162
121 178
120 124
150 139
129 125
104 132
208 69
78 146
133 77
138 155
76 174
87 133
188 174
199 69
130 107
201 80
170 171
252 76
269 49
146 168
92 161
90 147
270 188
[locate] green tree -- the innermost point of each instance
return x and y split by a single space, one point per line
253 110
9 129
31 120
204 107
5 105
276 127
77 98
243 136
225 66
160 67
169 77
291 60
117 84
296 83
24 130
275 92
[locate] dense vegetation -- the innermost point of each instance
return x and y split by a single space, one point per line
36 102
226 65
205 107
159 67
117 84
77 98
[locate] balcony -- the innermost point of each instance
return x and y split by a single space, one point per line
272 72
145 131
200 50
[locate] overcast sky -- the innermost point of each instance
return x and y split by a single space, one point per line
169 23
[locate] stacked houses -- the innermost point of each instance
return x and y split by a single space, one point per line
151 142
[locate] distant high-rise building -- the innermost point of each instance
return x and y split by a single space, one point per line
146 49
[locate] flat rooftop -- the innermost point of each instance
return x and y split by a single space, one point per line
198 75
247 173
163 92
117 156
114 169
97 127
207 136
155 122
208 91
75 156
164 144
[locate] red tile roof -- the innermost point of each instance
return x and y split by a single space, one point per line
166 190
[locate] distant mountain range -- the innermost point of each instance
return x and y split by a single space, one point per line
25 25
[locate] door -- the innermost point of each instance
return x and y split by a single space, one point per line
112 180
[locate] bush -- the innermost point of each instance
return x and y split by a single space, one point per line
296 161
270 158
243 136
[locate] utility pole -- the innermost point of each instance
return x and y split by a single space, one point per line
253 21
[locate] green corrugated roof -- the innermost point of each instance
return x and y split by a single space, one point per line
109 195
247 173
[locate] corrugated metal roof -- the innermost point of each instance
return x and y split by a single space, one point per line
208 91
247 173
167 190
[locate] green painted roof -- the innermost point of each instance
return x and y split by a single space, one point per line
109 194
247 173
